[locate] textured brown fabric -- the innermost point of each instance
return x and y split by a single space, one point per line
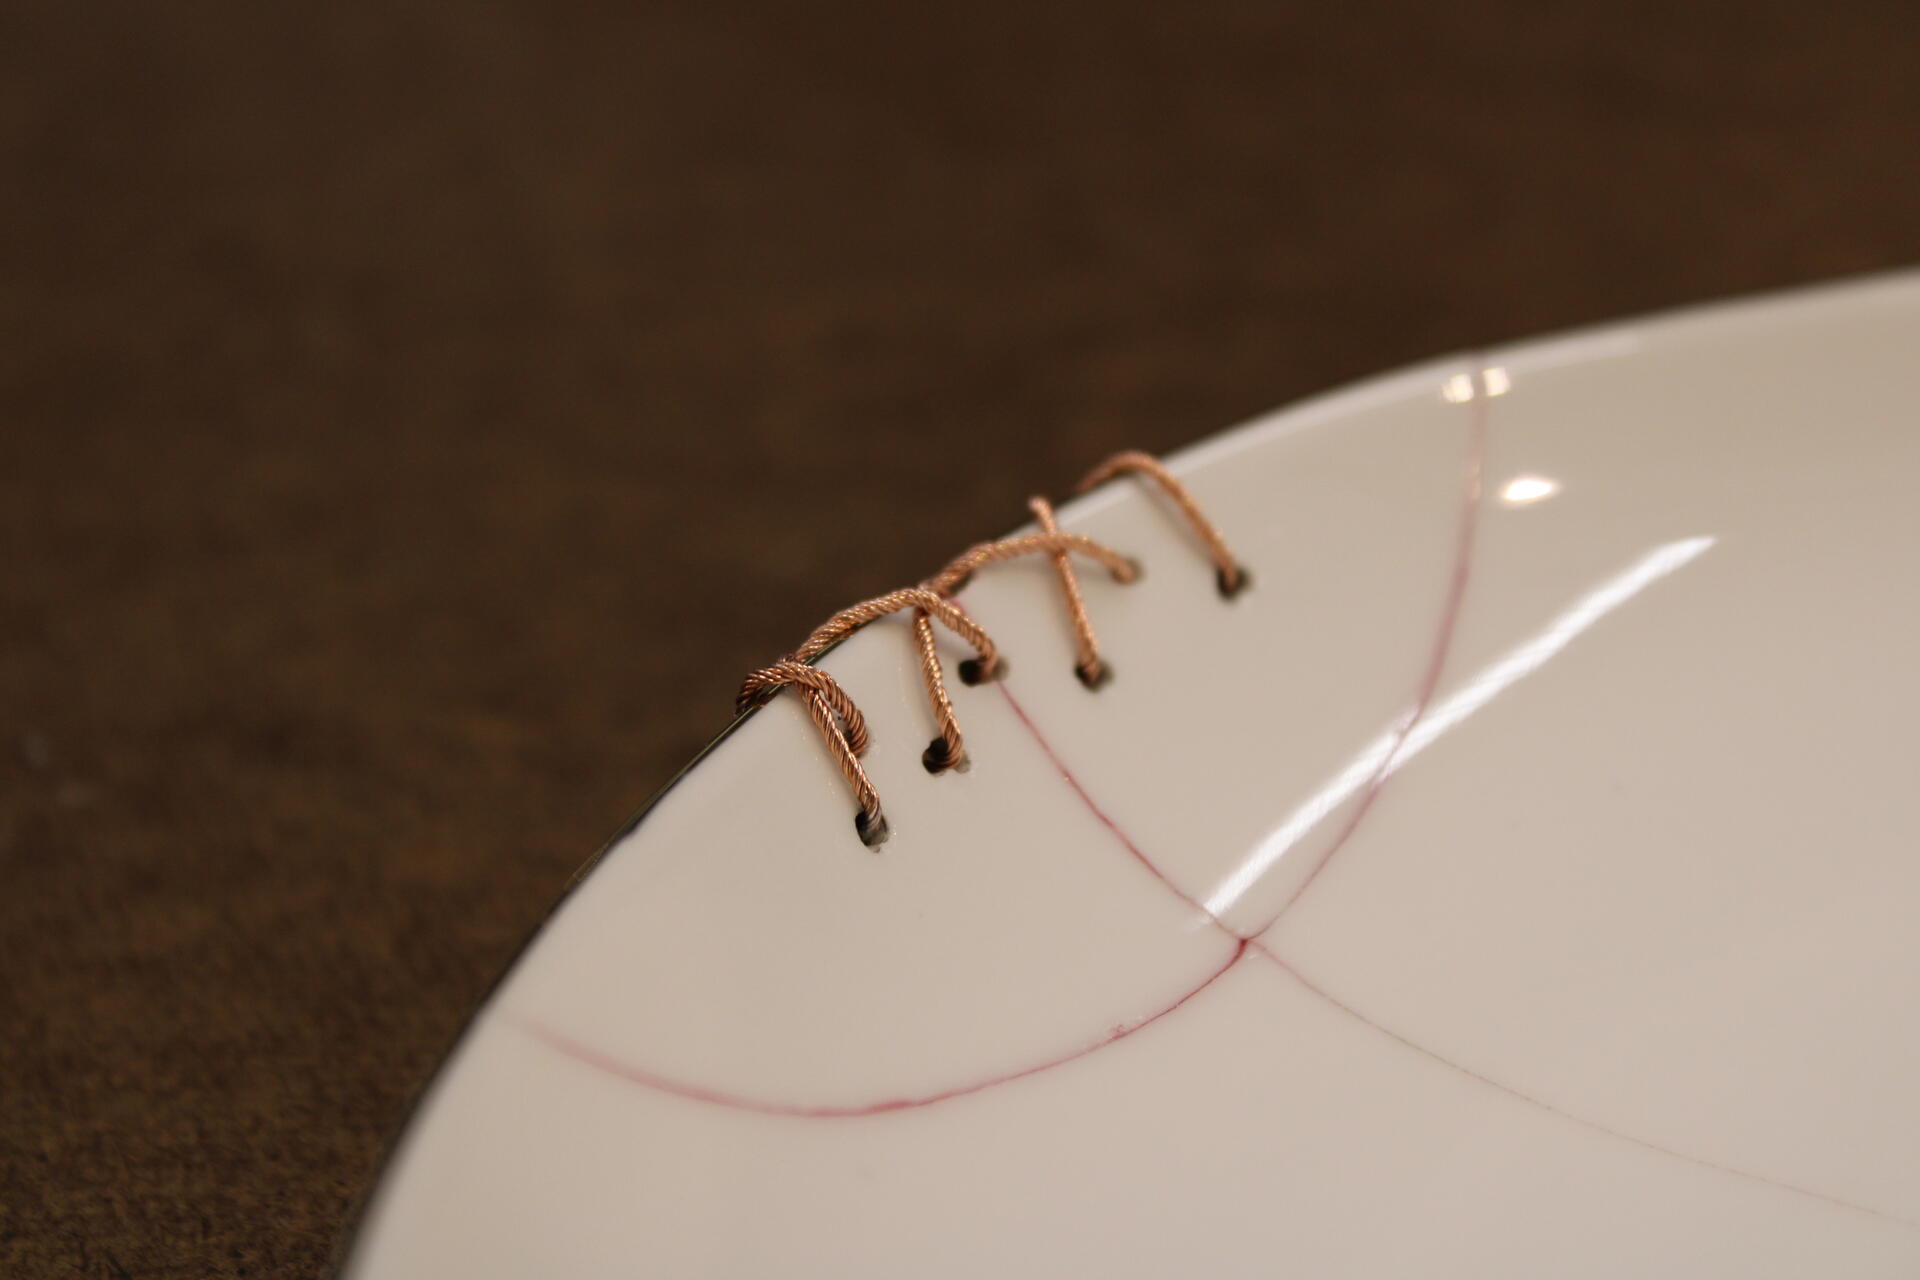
414 419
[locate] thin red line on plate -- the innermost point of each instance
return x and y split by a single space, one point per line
1465 539
626 1071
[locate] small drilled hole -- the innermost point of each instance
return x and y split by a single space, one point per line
1095 675
974 671
1232 586
938 757
871 828
1134 572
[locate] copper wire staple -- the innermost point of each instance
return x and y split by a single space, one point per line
839 721
1231 575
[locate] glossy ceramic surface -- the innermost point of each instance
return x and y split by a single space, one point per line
1520 880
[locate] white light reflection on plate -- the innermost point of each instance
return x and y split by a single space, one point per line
1389 752
1459 388
1522 490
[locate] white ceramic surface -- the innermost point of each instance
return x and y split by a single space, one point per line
1520 880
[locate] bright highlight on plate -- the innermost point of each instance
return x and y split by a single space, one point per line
1460 388
1522 490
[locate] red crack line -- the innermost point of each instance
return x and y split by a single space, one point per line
1268 954
1113 828
1464 539
740 1102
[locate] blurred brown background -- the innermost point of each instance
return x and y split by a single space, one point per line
414 418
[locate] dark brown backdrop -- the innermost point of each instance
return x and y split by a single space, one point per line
413 418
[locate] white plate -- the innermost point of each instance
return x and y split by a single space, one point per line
1520 880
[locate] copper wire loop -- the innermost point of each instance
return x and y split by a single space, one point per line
1092 672
844 729
1232 574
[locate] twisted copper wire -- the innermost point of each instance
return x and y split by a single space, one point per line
958 570
1232 575
839 721
921 599
1092 672
841 726
822 688
947 751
